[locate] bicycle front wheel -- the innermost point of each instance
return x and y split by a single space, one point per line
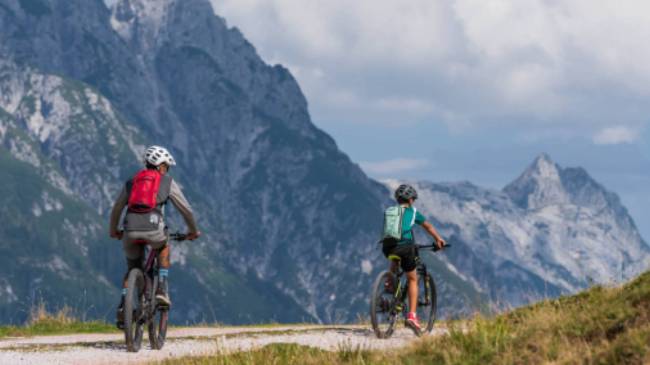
134 310
427 302
383 312
158 324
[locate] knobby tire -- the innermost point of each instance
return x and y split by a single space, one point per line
133 309
382 304
427 313
157 327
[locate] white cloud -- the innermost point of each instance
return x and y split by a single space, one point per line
615 135
407 105
579 62
393 167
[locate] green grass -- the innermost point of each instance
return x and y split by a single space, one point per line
43 323
56 328
281 354
598 326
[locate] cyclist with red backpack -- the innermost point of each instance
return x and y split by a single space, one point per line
145 197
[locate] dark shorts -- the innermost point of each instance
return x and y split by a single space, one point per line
407 253
135 250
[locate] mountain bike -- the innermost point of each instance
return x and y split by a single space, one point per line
390 297
141 307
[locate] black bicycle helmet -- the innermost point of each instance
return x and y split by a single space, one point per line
405 192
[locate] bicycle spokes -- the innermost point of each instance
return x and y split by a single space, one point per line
382 305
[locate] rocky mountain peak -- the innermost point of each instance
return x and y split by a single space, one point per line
149 24
543 167
545 183
540 185
140 21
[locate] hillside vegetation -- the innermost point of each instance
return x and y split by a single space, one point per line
598 326
42 322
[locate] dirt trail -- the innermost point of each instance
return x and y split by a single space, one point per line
110 349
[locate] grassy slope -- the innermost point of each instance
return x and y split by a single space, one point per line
598 326
44 323
54 327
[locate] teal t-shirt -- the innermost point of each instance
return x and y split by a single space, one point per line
407 228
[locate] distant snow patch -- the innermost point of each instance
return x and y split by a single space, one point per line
3 130
23 151
92 99
7 294
366 267
36 210
50 203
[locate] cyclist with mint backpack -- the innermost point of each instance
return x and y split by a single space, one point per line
398 240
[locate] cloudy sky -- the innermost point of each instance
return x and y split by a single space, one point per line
467 90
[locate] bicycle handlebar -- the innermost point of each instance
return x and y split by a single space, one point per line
178 236
432 246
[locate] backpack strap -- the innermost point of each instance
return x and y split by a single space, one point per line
415 212
128 186
164 190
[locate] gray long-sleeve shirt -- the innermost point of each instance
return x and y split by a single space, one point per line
175 195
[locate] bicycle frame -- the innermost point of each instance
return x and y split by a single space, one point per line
385 310
153 255
401 293
149 266
141 306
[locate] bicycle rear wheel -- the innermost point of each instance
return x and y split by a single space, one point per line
427 302
158 324
383 312
133 311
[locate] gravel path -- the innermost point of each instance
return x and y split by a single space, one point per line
110 348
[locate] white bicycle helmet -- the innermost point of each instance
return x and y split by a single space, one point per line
156 155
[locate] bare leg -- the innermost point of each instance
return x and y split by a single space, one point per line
412 277
163 257
163 286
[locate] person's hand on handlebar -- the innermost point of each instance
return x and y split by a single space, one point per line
117 234
440 242
193 235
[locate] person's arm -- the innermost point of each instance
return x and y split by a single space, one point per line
116 213
432 231
421 220
184 208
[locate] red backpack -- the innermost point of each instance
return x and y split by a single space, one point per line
144 191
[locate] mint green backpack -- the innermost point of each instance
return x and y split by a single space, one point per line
393 223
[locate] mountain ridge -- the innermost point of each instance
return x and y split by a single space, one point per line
289 220
248 153
550 228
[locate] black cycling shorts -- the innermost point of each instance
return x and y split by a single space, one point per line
407 253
